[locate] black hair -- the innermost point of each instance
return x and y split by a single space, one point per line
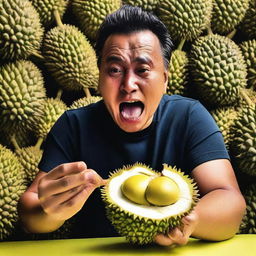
130 19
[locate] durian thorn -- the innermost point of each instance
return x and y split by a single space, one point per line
59 94
87 92
14 142
39 142
209 30
231 34
57 18
245 96
38 55
181 44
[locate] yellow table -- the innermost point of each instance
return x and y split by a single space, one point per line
240 245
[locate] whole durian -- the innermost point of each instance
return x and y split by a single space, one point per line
141 203
147 5
90 14
178 73
29 158
21 32
226 15
248 225
11 187
248 49
52 110
85 101
248 24
21 94
243 144
70 58
218 70
186 19
46 8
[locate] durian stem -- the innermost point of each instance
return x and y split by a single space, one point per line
245 96
39 142
57 18
181 44
209 30
231 34
14 142
38 55
87 92
59 94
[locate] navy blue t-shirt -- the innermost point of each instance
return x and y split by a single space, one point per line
182 134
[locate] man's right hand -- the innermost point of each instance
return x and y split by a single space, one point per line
63 191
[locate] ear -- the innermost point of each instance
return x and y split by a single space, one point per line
165 80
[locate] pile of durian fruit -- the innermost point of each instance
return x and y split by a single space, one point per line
48 65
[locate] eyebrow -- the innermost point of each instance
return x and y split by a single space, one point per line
140 59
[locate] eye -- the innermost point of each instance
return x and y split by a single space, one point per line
115 71
142 71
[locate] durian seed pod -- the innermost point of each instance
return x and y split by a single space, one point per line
29 158
147 5
218 70
46 8
20 29
12 185
52 110
22 92
226 15
85 101
248 24
248 224
90 14
138 212
225 118
178 73
243 144
70 58
186 19
248 49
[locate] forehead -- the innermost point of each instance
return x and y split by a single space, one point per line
133 44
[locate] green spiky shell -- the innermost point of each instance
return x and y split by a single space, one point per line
248 24
226 15
248 49
185 19
52 110
70 58
20 29
90 14
248 225
85 101
243 144
29 158
219 70
45 9
148 5
178 73
140 229
21 94
225 118
11 187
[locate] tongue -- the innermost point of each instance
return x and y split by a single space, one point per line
131 111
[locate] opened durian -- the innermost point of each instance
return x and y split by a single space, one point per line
218 70
142 203
186 19
20 29
226 15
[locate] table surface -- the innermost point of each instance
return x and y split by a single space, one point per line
240 245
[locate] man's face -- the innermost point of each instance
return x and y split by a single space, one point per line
132 78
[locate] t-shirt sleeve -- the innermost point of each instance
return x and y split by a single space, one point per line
59 145
204 141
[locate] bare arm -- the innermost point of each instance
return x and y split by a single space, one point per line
56 196
218 214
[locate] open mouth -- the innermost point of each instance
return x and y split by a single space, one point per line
131 111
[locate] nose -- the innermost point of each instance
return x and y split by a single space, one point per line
129 83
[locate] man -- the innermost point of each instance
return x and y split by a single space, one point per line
136 122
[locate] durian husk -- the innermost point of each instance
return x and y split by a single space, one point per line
85 101
147 5
138 229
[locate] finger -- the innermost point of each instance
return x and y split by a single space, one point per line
66 169
189 224
163 240
177 236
